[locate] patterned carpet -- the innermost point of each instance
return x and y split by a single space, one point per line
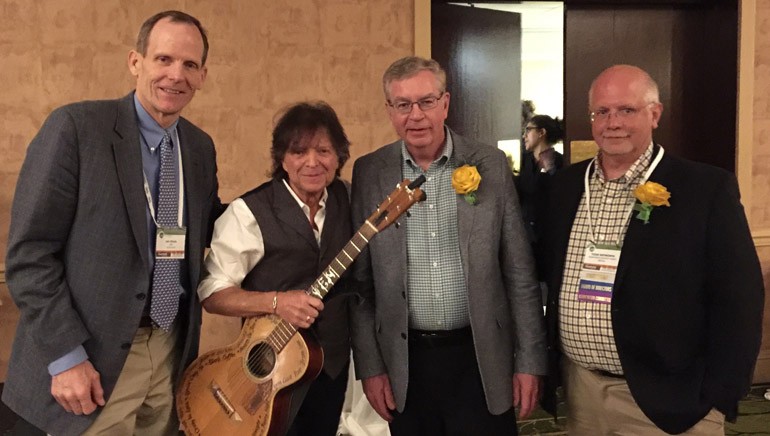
753 419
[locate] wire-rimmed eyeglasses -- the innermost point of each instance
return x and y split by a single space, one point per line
425 104
623 112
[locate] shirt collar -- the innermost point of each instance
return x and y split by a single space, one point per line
151 131
445 155
302 205
634 172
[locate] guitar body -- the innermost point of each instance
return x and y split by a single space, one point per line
246 388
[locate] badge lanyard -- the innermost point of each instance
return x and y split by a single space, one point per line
646 176
180 171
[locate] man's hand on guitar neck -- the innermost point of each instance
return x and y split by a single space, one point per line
298 308
380 396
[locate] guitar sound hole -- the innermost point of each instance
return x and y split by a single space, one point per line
261 360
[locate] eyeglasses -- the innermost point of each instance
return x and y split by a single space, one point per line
425 104
528 128
623 113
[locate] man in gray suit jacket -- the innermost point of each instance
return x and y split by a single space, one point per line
95 351
449 331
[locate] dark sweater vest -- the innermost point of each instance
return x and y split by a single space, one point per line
293 259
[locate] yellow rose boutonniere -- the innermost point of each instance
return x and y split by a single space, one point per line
650 194
465 180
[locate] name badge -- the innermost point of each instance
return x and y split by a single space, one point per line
597 275
170 242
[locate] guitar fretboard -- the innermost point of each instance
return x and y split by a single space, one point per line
284 331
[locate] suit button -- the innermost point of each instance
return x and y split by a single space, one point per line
141 296
125 346
403 335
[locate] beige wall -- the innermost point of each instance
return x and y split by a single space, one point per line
264 55
754 153
759 165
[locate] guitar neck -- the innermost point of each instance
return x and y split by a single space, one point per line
284 331
324 283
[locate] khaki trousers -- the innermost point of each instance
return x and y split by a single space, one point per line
143 400
602 405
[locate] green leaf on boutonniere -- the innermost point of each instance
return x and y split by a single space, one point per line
644 210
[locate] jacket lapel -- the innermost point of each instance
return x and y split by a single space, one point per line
465 211
288 211
128 161
639 238
564 203
193 190
193 179
569 199
334 222
389 176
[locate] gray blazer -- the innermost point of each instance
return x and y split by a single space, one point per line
505 303
77 262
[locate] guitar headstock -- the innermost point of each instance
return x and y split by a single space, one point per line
397 203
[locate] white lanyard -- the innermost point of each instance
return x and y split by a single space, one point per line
180 171
646 176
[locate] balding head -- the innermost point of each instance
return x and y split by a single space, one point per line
625 75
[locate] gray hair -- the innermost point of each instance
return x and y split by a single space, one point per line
409 66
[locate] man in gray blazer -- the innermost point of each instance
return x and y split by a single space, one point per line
104 282
449 332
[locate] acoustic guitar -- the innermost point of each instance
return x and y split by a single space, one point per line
245 388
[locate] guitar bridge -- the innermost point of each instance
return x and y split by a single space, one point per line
224 402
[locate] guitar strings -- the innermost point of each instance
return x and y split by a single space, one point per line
275 344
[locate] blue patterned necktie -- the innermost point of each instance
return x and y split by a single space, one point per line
165 278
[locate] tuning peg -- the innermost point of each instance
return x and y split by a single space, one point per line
408 214
397 224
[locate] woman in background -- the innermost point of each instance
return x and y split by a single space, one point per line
539 163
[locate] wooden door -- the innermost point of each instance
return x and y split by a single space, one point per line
689 47
481 51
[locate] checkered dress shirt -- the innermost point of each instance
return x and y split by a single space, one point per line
436 291
586 327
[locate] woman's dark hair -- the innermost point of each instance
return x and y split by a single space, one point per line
527 112
300 122
554 128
